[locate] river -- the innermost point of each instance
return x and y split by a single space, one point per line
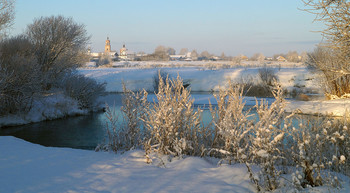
86 132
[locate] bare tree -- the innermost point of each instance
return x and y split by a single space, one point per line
258 57
171 51
205 54
160 50
223 56
183 51
194 55
59 44
293 56
303 56
336 16
160 53
7 13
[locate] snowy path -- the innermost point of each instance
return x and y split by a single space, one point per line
26 167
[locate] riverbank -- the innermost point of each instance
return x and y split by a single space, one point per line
333 108
50 107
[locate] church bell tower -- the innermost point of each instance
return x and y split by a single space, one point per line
108 46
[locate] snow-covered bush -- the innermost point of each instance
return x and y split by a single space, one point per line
319 148
83 89
267 76
161 74
260 86
129 133
231 125
172 122
239 138
112 141
266 142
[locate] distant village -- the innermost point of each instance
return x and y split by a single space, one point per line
162 53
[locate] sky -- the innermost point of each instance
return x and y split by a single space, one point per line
230 26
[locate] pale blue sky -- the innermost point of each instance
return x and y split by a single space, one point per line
230 26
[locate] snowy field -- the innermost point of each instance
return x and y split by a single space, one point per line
202 79
26 167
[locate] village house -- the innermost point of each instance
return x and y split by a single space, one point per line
281 59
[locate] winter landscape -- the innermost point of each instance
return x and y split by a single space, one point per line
147 118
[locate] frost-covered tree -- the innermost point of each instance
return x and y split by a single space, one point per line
183 51
194 55
335 14
60 45
6 14
293 56
171 51
205 54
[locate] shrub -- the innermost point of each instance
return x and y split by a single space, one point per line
132 130
271 141
240 139
19 75
161 74
319 147
267 76
129 133
231 124
173 124
253 87
266 139
83 89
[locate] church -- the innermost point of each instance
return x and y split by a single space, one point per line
123 52
123 55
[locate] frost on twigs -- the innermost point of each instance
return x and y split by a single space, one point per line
266 147
240 139
231 125
319 148
271 144
127 134
172 124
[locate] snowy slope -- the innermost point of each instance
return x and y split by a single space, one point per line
26 167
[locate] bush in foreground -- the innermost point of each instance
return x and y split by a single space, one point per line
271 142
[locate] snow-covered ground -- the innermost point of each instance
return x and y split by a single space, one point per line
26 167
200 78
